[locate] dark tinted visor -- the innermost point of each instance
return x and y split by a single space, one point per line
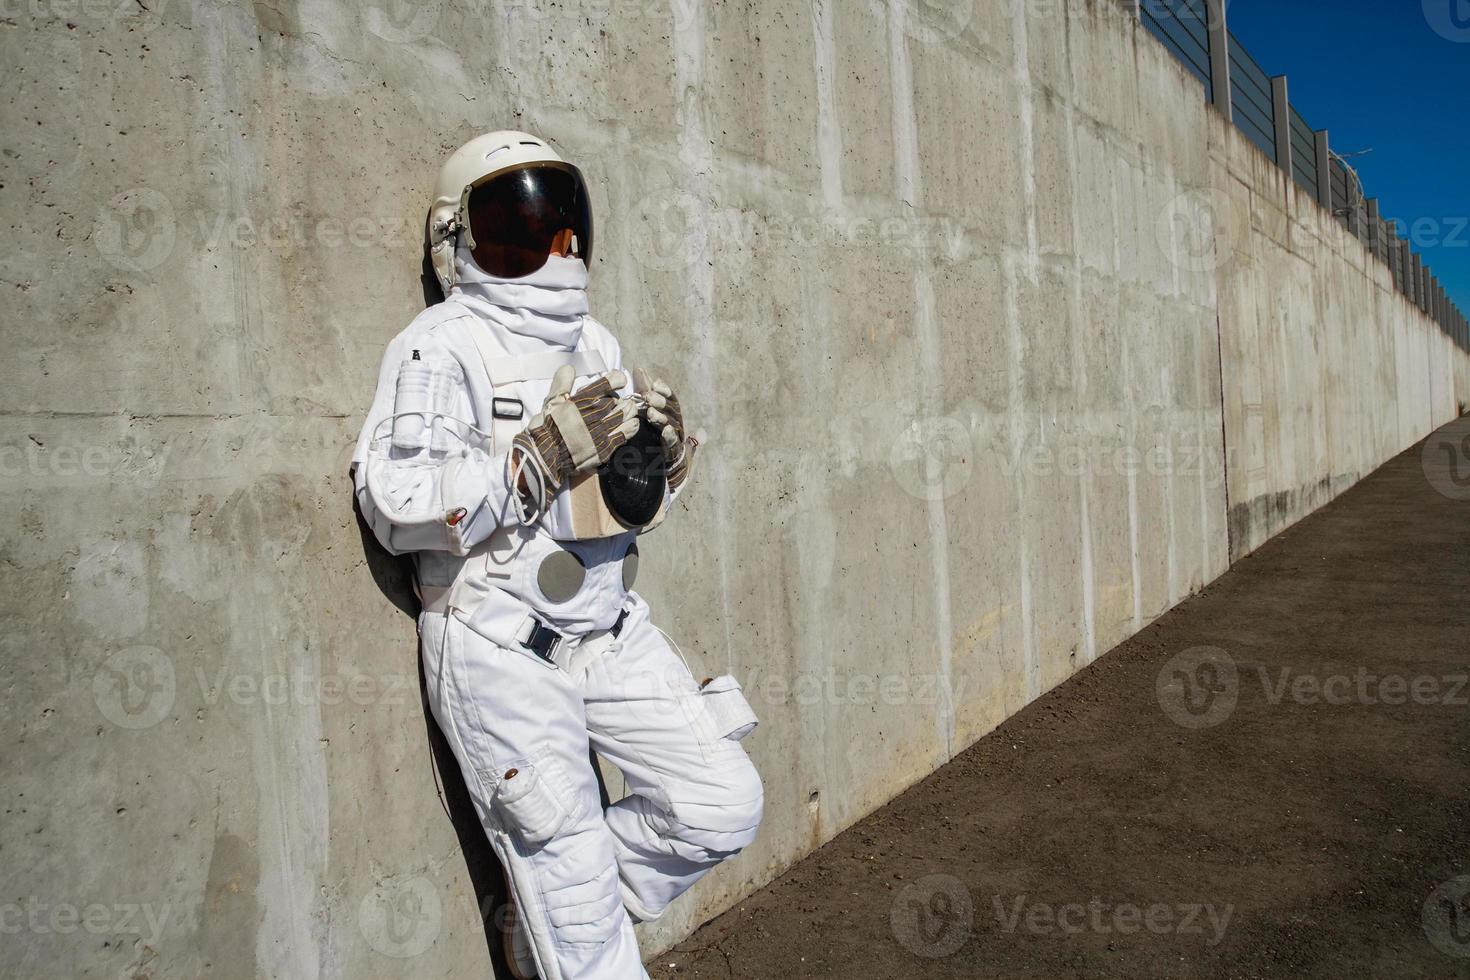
519 217
633 480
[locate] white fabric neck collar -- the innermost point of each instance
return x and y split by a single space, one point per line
548 305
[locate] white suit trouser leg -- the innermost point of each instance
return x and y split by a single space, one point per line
520 729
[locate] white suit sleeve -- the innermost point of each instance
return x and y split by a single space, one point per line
423 479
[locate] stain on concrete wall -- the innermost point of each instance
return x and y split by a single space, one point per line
939 281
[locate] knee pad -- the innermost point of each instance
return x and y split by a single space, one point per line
583 904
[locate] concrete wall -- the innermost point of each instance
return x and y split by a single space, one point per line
1328 369
942 290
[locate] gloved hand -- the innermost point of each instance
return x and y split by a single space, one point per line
574 433
664 412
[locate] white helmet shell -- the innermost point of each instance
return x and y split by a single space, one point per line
480 156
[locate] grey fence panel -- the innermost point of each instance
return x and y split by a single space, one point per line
1340 204
1183 30
1304 153
1250 98
1260 131
1182 26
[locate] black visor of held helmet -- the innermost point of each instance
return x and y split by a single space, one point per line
634 478
515 219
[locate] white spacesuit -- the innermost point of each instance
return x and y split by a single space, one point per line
482 458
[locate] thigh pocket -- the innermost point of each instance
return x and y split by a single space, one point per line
532 800
726 715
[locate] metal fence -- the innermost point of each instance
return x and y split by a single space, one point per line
1196 32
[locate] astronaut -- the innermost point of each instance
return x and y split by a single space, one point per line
510 454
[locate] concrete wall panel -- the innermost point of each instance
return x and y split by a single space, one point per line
948 288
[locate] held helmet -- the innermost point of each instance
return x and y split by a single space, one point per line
511 199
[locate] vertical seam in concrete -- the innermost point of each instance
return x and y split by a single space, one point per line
696 158
829 123
292 821
909 190
1025 265
1079 362
1134 555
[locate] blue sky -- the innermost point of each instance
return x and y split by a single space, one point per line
1393 75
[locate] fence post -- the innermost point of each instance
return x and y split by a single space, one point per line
1395 256
1281 109
1404 266
1219 55
1375 228
1324 169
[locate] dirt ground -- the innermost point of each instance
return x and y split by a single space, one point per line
1306 815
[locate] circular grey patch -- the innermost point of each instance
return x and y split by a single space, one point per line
630 567
560 576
